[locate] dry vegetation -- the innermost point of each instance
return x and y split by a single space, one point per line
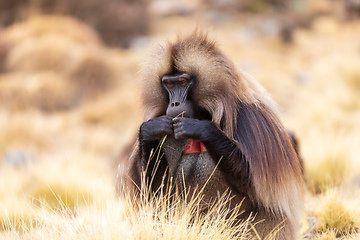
69 105
117 21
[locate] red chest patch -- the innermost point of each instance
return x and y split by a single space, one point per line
194 147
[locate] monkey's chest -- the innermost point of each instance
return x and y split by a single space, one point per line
190 163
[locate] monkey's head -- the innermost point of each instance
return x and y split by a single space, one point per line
178 86
191 76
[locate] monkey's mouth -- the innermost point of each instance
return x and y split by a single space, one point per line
180 110
181 114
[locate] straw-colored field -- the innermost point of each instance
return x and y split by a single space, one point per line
69 106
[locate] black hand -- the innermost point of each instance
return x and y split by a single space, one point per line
156 128
216 142
190 128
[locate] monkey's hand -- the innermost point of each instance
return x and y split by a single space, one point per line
218 145
190 128
156 128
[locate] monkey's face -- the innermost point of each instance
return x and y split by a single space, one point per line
178 87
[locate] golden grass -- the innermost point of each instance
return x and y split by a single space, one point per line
107 110
93 74
48 52
50 186
116 220
57 63
333 166
19 134
171 217
330 235
108 217
336 216
39 25
46 90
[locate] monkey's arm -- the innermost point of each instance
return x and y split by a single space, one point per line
151 132
149 135
219 146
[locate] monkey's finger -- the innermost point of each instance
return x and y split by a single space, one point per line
176 119
180 131
178 125
169 128
179 134
167 119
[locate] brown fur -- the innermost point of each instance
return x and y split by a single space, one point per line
276 182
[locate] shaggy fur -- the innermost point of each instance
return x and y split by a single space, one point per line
243 110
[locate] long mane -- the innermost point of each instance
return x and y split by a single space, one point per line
240 107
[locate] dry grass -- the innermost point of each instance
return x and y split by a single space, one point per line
43 53
115 221
170 217
45 212
337 216
58 63
46 90
38 26
331 164
21 133
37 187
107 110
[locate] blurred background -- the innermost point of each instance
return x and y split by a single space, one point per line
70 107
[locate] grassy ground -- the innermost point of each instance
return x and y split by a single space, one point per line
69 106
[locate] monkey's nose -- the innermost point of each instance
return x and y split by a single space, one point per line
178 108
175 104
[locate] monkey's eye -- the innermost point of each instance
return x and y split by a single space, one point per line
169 83
182 82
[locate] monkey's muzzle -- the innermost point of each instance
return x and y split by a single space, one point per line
180 109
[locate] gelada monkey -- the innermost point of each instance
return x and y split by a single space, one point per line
222 134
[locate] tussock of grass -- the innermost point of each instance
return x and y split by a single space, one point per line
171 213
30 193
85 70
45 53
330 171
164 217
119 220
40 25
46 90
332 235
59 195
351 74
60 62
170 217
39 204
17 134
18 216
94 72
329 235
331 163
107 110
335 216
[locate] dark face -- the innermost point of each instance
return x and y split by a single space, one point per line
178 87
